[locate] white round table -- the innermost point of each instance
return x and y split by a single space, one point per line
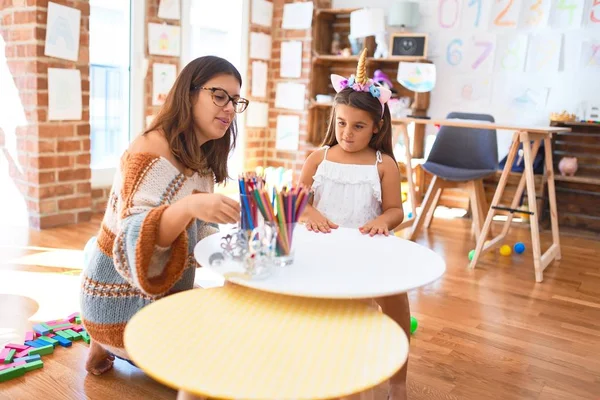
343 264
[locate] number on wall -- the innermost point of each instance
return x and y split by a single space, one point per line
441 8
454 53
499 21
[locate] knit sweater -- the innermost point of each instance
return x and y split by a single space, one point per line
126 269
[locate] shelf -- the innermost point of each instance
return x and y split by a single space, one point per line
323 58
336 11
577 179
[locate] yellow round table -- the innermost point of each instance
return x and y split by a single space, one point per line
238 343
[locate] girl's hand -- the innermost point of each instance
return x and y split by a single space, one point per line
213 207
316 222
375 227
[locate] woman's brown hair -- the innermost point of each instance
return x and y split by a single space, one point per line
382 140
176 121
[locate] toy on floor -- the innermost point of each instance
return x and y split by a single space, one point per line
471 254
505 250
519 247
414 324
17 359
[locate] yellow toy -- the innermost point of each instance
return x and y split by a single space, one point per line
505 250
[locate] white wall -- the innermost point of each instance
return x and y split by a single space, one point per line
570 88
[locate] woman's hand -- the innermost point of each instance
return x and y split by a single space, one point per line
315 221
213 207
378 226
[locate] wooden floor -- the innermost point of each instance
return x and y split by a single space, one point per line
492 333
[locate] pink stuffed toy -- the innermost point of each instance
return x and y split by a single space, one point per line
568 166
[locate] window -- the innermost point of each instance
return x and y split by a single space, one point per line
110 49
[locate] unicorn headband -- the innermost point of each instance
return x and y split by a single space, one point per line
361 83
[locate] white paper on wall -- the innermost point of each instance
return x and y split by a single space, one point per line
163 78
169 9
544 52
262 12
64 94
505 15
290 96
475 15
530 98
567 14
511 53
469 88
164 40
291 59
479 54
288 132
257 115
297 15
62 32
590 54
260 46
534 14
259 79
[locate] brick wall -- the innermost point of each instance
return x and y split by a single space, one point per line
261 143
51 166
152 17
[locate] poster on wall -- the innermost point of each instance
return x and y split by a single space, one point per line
511 53
62 32
164 40
64 94
590 54
260 46
567 14
544 52
259 79
504 15
163 78
290 96
297 15
471 54
169 9
476 15
262 12
468 88
534 14
291 59
257 115
288 132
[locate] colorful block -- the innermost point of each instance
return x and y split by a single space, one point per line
11 373
72 317
41 330
62 334
10 356
4 354
23 353
29 335
62 341
18 347
33 365
46 342
85 337
78 320
49 340
74 335
52 324
11 365
35 343
28 358
42 351
62 327
78 328
50 335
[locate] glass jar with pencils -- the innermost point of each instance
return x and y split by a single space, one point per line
277 209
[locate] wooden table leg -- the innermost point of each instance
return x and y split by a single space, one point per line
532 202
552 196
412 193
479 248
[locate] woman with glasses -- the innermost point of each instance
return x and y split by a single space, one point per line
161 204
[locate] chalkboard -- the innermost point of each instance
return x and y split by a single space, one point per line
409 45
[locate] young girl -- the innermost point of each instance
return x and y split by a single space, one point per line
356 180
161 204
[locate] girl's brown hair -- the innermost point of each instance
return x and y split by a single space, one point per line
382 140
175 118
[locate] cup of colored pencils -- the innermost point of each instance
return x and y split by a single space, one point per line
278 208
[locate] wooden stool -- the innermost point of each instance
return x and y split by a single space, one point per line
540 261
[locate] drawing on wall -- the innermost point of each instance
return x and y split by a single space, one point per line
531 99
164 40
62 32
64 94
418 77
471 89
544 53
169 9
590 54
163 78
511 53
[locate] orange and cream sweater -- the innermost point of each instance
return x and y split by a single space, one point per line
126 270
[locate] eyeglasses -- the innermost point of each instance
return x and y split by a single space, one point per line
221 98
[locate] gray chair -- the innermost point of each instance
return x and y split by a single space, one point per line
460 157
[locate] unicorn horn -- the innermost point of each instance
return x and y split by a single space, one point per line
361 68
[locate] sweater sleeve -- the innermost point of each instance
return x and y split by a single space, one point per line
149 184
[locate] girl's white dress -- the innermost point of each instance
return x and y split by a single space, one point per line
347 194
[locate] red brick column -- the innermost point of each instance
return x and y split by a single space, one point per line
152 17
51 166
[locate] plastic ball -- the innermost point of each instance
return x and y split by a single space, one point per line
505 250
414 324
471 254
486 242
519 247
409 215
